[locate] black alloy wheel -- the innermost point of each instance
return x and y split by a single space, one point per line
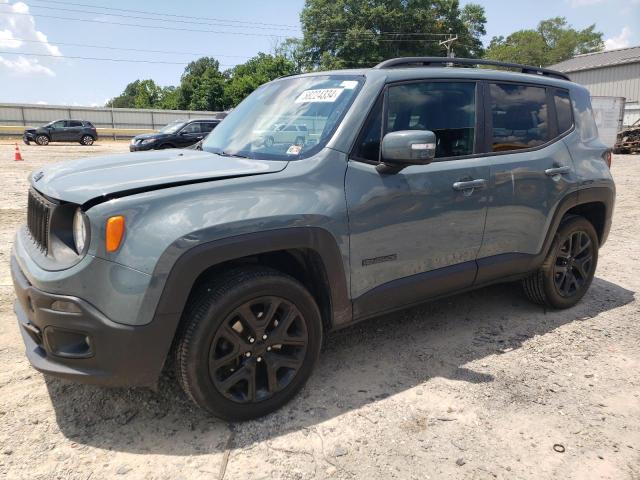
258 349
568 270
574 262
248 342
86 140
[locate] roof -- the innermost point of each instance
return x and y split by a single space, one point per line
590 61
419 73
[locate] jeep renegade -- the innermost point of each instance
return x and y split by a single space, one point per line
416 180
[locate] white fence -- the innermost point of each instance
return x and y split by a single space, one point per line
121 122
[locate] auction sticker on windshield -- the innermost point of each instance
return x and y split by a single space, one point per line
324 95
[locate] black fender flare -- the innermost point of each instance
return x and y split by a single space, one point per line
187 258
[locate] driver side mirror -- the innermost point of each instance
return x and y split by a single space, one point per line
407 147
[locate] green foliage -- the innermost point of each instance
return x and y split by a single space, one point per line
245 78
553 41
204 87
139 94
357 33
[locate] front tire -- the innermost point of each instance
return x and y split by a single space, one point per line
42 140
569 268
249 341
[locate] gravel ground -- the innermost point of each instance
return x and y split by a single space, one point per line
481 385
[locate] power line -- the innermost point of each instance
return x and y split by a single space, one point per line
167 14
74 57
284 26
364 34
137 25
135 17
142 50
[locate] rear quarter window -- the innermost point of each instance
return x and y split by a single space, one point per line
563 111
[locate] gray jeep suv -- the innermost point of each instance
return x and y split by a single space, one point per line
416 180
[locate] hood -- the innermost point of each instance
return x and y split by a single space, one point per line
100 178
29 130
144 136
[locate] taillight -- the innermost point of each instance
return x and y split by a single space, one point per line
606 156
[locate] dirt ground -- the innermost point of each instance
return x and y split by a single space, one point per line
481 385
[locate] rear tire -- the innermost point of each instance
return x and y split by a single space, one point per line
248 342
567 272
86 140
42 140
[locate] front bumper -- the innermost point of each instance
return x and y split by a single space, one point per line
81 343
139 147
28 137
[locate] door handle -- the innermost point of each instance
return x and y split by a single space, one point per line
557 171
470 185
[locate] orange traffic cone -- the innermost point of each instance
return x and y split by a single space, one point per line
18 156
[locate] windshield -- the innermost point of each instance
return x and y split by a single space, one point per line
172 127
286 119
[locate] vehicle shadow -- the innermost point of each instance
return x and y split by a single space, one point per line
359 366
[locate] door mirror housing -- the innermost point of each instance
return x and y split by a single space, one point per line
407 147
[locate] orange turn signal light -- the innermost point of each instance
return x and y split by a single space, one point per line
114 233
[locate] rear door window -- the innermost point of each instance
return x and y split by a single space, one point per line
520 116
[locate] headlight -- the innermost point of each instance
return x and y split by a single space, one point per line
80 230
147 141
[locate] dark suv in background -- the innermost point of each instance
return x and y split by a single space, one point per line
62 131
178 134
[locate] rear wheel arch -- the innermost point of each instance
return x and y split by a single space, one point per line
594 212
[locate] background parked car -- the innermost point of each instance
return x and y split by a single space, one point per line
62 131
178 134
288 134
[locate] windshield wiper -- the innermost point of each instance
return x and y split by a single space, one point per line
227 154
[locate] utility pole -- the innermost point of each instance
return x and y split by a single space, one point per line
448 43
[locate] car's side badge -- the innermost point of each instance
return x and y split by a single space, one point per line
386 258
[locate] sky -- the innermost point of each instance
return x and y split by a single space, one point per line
56 31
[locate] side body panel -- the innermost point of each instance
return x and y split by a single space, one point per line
523 200
413 221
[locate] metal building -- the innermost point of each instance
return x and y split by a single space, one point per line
612 73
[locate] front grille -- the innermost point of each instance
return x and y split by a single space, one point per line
38 215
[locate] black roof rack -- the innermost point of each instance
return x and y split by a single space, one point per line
440 61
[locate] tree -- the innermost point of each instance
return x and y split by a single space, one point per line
353 33
170 98
202 86
245 78
553 41
138 94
